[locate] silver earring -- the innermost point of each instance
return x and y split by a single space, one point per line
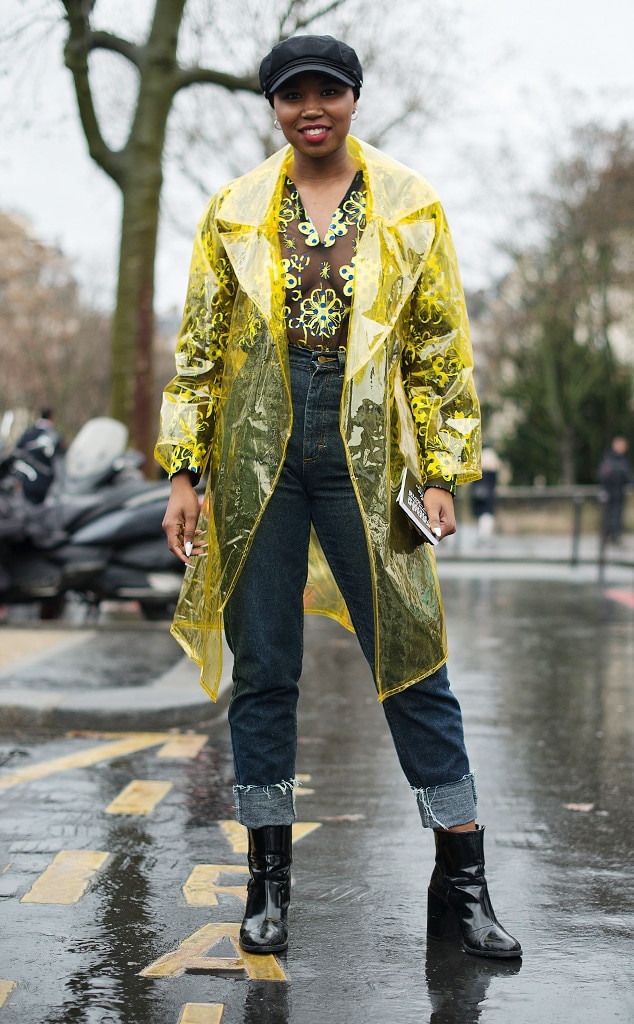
276 124
354 115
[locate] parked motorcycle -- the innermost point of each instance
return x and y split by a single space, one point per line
97 535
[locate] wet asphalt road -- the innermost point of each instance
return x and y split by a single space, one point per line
544 671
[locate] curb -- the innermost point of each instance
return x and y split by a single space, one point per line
175 699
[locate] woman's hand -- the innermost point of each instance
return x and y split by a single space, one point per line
440 511
181 517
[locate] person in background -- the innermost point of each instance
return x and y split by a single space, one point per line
615 476
324 347
38 447
482 494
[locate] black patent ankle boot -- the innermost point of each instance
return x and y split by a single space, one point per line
458 902
264 928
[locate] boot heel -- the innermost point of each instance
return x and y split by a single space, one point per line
442 921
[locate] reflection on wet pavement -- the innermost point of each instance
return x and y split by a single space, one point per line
458 984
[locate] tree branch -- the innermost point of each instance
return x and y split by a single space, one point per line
375 138
234 83
309 19
106 41
250 83
76 59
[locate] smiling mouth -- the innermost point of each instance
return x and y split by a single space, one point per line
314 131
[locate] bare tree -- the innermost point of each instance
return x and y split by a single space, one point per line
44 327
560 329
136 168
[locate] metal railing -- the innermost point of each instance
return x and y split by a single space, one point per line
576 511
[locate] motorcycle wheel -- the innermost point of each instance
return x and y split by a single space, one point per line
52 608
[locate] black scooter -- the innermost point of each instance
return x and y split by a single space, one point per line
97 535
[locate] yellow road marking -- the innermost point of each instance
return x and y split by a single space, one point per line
201 1013
119 748
238 837
201 887
188 957
183 746
301 790
139 797
67 877
304 828
6 988
236 834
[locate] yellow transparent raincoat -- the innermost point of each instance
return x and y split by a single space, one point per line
408 397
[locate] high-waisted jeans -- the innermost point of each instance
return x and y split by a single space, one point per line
264 624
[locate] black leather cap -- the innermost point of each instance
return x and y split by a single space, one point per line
323 54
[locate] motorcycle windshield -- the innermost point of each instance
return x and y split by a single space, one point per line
93 451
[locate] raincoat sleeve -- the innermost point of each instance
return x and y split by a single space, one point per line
190 400
437 367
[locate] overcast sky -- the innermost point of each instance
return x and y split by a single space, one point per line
533 66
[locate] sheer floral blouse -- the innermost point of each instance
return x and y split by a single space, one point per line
319 272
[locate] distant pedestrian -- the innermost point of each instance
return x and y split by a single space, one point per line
325 346
615 476
482 494
38 447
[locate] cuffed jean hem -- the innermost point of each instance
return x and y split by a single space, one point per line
445 806
257 806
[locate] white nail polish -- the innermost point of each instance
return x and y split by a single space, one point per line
188 548
437 531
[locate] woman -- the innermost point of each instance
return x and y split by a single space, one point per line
320 353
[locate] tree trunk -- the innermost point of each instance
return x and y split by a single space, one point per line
566 459
132 396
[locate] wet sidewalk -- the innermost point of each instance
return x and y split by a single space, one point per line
122 872
52 674
559 548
